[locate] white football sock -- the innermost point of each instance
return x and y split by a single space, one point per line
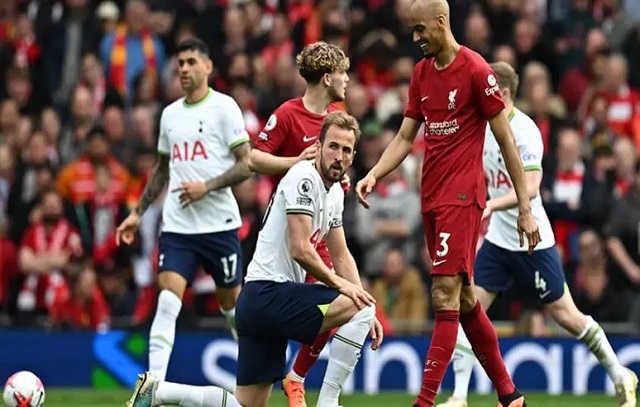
593 336
463 361
163 333
193 396
230 315
343 357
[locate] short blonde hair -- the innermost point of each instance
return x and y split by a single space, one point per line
507 77
321 58
342 120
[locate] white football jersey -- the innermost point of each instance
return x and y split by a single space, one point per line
300 191
199 139
503 230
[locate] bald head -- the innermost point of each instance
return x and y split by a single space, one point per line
431 25
431 8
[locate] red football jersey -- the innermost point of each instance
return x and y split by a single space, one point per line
289 130
455 104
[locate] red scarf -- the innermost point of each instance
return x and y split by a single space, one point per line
119 57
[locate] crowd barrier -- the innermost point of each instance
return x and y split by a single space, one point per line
111 360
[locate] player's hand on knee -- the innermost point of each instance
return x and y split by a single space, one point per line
376 333
364 188
191 192
357 294
126 232
527 227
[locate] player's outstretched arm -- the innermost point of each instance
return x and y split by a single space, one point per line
266 163
392 157
155 186
237 173
504 136
343 262
397 150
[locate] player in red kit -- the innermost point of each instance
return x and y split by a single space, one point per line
455 93
291 135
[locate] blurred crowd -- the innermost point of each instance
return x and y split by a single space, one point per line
82 84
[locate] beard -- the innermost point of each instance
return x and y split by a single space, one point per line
332 172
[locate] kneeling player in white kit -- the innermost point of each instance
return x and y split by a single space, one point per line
275 304
501 261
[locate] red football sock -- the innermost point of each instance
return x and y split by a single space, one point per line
484 341
308 354
443 342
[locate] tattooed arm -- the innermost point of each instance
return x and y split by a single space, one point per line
156 184
236 174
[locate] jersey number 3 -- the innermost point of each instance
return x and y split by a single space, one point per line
444 247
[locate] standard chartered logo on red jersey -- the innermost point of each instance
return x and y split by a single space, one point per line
444 128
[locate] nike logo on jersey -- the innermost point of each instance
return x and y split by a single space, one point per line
542 296
439 262
424 98
307 139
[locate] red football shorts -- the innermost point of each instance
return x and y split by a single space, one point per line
323 251
452 236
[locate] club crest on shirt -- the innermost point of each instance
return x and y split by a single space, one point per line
452 99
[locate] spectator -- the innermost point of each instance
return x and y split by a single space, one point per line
613 183
390 222
66 30
77 180
576 80
79 303
33 174
74 133
401 293
616 23
623 102
594 294
623 241
47 247
132 49
565 192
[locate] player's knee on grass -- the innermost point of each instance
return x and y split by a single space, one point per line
227 297
256 395
341 311
446 292
566 314
172 281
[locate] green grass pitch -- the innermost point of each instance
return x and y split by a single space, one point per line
111 398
